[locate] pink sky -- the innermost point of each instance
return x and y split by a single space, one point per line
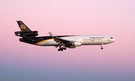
68 17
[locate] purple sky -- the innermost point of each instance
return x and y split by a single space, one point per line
24 62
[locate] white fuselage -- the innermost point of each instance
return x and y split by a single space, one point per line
83 39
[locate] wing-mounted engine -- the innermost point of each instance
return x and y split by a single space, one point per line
77 43
74 44
27 34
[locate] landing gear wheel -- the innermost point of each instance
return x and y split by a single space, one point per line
61 49
64 48
101 46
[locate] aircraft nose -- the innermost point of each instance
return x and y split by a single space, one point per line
113 40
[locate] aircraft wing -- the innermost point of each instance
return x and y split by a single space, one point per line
61 41
64 41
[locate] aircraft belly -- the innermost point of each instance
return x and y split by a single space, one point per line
98 42
48 43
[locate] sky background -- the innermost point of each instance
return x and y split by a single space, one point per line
24 62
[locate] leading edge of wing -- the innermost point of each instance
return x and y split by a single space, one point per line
62 40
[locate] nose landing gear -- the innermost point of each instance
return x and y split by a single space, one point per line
101 46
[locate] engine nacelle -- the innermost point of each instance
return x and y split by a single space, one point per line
31 33
77 43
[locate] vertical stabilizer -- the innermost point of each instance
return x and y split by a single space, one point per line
23 27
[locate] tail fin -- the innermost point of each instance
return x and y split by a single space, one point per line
23 27
25 31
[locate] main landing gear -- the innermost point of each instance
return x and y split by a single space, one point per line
61 49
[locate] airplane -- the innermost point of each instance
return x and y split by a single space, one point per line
63 41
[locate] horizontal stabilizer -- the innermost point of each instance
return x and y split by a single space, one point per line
31 33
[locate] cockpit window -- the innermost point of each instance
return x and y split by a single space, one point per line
111 37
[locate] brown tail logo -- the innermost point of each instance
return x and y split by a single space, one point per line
23 27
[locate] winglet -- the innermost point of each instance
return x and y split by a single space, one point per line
51 34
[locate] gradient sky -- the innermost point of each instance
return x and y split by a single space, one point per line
24 62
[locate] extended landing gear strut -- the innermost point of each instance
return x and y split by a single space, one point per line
62 48
101 46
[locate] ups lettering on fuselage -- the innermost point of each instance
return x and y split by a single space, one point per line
97 38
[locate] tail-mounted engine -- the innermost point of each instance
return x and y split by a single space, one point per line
28 34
